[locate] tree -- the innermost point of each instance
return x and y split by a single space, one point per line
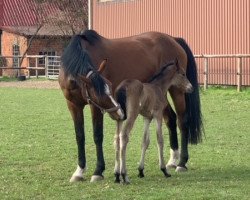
69 16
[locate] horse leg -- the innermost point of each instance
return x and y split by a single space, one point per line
77 116
180 106
97 121
170 120
124 138
117 151
160 143
144 147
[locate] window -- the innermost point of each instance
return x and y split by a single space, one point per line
16 54
50 55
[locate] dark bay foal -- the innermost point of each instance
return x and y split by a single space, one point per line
149 100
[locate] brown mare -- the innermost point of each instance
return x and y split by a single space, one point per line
136 57
149 100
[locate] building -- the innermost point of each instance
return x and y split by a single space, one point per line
37 29
209 26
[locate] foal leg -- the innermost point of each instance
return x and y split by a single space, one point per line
170 120
160 143
77 116
124 138
144 146
117 151
97 120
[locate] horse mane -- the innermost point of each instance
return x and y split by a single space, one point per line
98 83
91 36
160 73
76 61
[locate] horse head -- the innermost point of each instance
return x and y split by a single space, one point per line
104 101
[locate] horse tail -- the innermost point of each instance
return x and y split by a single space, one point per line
121 98
193 106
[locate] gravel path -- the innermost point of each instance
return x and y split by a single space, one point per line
46 84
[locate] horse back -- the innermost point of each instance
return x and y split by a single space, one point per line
136 57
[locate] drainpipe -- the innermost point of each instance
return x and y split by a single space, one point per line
0 42
90 14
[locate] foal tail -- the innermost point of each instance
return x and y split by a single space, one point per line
193 107
121 98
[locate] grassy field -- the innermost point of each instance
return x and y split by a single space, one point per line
38 152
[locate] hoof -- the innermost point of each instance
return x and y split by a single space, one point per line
117 178
126 183
181 169
125 179
171 166
117 181
141 174
165 172
96 178
76 179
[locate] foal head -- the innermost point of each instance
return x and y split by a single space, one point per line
172 75
101 99
180 79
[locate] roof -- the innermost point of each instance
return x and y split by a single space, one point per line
44 31
23 13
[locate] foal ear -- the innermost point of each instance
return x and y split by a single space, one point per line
177 64
102 66
84 79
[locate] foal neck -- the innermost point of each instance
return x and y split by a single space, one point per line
164 82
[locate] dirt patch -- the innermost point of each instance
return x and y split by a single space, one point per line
46 84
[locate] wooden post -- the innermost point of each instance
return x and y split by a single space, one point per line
46 66
239 73
28 60
18 65
205 72
36 67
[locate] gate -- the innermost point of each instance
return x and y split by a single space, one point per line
52 67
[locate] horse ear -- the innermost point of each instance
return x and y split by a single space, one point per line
84 79
102 66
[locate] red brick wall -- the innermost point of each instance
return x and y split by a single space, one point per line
8 40
56 44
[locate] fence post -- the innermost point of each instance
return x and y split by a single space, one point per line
239 73
18 65
205 72
46 66
36 67
28 60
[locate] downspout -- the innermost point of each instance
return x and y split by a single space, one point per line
0 42
90 14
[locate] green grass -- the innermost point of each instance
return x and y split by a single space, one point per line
38 152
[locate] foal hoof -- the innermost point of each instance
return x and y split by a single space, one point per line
141 174
76 179
96 178
165 172
181 169
125 179
117 178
